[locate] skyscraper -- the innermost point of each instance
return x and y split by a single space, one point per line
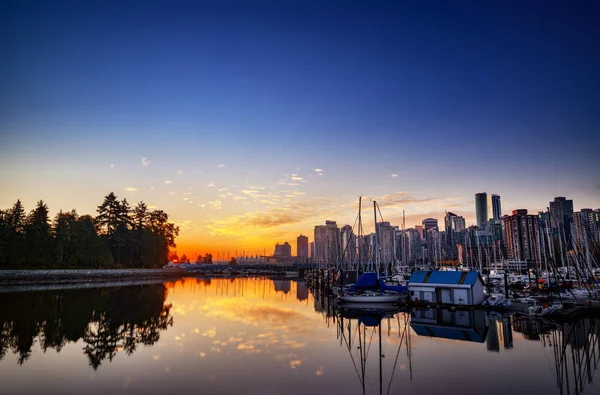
454 225
586 227
496 210
481 209
327 243
522 236
386 234
348 244
302 246
561 217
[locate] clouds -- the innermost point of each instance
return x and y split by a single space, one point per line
291 180
393 175
312 212
399 198
179 172
168 182
144 161
130 189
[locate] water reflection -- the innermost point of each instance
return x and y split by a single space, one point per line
108 320
272 336
356 329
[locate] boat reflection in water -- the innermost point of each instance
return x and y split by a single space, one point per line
358 326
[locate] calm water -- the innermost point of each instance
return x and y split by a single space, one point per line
265 336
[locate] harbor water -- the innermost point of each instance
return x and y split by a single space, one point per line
275 336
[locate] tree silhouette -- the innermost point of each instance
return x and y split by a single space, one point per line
107 320
118 235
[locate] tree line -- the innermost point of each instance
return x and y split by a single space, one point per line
119 236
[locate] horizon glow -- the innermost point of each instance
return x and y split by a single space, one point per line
251 124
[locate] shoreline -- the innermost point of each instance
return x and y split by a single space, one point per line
65 277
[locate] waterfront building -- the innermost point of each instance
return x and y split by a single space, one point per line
283 250
447 287
302 246
327 243
481 209
522 236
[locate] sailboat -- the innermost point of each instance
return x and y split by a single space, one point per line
370 287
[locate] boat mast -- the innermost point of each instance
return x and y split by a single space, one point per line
359 233
376 247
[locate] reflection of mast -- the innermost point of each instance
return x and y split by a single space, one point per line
576 355
372 319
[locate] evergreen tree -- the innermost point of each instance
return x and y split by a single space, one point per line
140 216
37 237
4 232
114 221
15 244
65 238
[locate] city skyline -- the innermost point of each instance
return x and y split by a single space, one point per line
249 125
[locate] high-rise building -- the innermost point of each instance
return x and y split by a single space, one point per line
495 208
586 227
302 246
522 236
283 250
429 223
386 235
561 217
348 243
454 226
327 243
419 229
481 209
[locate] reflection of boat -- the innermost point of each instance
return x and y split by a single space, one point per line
388 307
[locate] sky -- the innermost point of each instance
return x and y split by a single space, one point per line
251 122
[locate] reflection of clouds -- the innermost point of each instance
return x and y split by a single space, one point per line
294 363
319 371
155 357
127 382
247 318
211 332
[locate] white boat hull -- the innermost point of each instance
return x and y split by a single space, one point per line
365 298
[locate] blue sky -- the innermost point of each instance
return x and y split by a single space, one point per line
436 100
